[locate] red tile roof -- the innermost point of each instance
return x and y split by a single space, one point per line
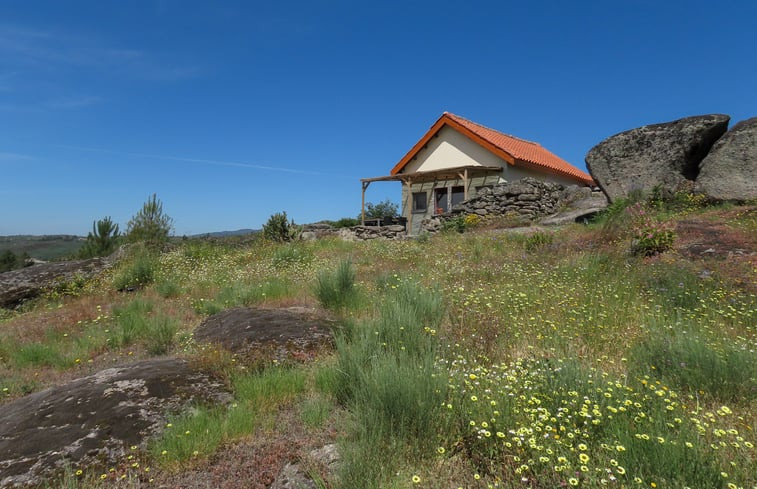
515 151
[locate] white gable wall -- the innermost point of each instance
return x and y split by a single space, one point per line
450 149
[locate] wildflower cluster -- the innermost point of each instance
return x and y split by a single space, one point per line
649 236
556 421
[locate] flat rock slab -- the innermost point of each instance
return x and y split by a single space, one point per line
569 217
241 329
26 283
95 419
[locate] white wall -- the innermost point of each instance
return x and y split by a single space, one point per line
449 149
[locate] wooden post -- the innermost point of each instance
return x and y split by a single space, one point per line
409 207
362 204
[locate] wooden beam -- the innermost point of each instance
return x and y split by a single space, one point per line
465 184
362 203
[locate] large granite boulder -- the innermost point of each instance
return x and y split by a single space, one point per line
17 286
666 155
729 172
96 419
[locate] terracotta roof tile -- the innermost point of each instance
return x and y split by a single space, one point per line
523 152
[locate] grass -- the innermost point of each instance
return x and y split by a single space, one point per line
197 434
336 290
573 347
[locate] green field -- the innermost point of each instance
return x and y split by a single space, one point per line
47 247
477 359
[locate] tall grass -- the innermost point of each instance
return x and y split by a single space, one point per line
139 270
388 378
336 290
245 294
725 372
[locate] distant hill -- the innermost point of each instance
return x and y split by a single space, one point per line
45 247
223 234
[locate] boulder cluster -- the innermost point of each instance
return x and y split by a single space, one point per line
695 153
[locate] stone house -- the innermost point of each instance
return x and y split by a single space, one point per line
457 158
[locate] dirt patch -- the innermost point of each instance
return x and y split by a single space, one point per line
95 419
293 330
705 239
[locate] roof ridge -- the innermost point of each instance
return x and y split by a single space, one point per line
491 129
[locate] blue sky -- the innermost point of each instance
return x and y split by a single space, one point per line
231 111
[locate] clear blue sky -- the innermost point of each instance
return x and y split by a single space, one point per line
231 111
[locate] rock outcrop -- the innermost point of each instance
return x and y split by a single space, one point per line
95 419
729 171
26 283
293 330
666 155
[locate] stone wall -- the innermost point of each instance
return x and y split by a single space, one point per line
355 233
528 200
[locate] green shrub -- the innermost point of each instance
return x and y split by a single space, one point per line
346 222
336 290
168 289
538 241
385 208
455 224
649 236
10 261
138 271
279 229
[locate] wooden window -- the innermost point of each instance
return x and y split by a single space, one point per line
420 201
440 200
457 196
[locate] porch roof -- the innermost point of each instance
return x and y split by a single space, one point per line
431 175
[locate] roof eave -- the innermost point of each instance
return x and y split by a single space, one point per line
438 125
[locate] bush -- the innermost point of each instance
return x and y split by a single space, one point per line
455 224
386 208
10 261
279 229
346 222
538 241
150 225
137 272
103 239
649 236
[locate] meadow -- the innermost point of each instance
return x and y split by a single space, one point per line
475 360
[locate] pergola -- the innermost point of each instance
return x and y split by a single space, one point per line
464 173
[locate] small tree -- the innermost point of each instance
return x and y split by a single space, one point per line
150 224
103 239
278 228
386 208
8 261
